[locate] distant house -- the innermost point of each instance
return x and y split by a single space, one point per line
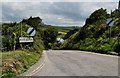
60 40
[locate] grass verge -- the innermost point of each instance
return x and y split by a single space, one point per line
17 62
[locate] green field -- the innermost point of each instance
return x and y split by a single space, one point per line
62 31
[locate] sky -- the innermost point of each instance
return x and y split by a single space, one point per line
52 12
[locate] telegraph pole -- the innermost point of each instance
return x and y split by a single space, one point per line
21 29
119 6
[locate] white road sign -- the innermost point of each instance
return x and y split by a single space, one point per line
110 22
31 31
25 39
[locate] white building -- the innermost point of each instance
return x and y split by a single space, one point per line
60 40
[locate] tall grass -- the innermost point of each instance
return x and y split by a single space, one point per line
17 62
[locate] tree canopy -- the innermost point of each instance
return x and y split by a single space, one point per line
33 21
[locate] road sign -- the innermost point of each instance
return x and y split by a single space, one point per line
25 39
31 31
110 22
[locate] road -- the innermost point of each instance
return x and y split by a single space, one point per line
77 63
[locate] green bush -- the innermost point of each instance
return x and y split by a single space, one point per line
7 43
76 46
90 48
105 48
117 48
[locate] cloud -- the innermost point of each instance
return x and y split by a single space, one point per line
59 0
59 18
55 13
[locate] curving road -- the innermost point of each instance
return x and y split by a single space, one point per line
76 63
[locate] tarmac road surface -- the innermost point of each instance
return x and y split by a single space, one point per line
76 63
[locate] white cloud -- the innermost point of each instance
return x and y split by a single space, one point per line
59 0
59 18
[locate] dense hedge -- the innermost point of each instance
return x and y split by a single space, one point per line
92 44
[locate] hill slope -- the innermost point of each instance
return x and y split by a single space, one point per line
94 35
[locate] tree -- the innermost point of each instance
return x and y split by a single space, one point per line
33 21
50 35
100 14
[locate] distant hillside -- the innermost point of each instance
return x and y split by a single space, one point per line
71 32
60 28
94 35
62 31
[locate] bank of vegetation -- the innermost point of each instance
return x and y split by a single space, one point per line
95 34
18 57
17 62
